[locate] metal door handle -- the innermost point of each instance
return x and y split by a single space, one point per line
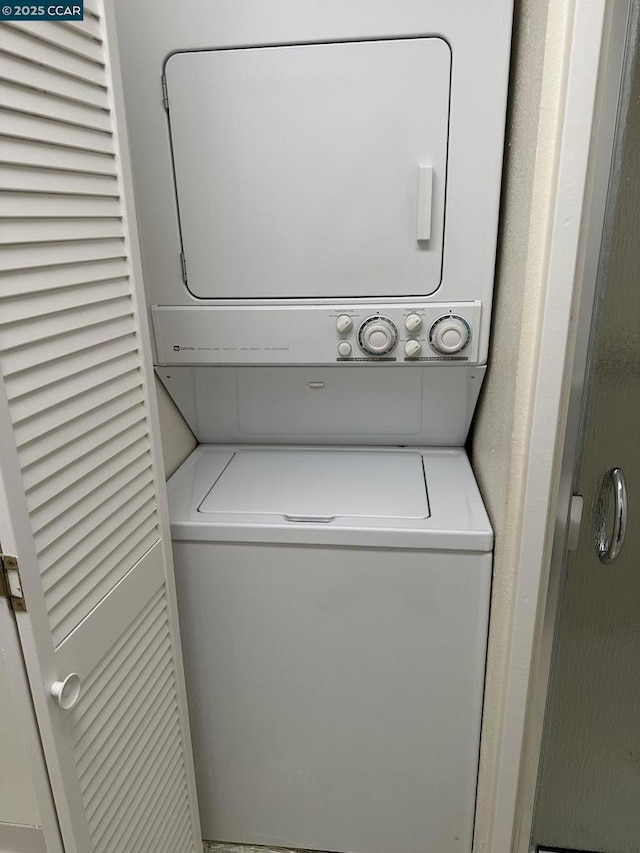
609 549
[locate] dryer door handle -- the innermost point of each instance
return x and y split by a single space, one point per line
425 202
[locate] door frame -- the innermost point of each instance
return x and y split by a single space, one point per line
27 726
595 50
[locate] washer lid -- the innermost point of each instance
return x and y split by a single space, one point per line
320 485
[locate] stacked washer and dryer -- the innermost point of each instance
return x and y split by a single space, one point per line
317 187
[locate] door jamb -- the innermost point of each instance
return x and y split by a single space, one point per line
595 50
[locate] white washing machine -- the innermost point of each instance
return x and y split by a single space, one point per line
334 607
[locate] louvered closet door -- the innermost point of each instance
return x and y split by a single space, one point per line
77 455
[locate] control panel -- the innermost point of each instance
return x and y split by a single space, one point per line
320 334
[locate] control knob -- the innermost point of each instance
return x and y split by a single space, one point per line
344 323
378 336
413 323
412 348
449 334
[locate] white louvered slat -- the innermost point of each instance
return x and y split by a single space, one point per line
59 205
71 40
64 534
97 748
127 548
25 153
74 398
92 7
54 350
64 528
113 524
45 180
22 231
92 742
79 392
19 125
18 98
55 418
56 254
171 844
28 75
58 506
54 302
47 382
133 778
49 325
92 271
76 475
157 708
89 28
19 42
173 805
130 422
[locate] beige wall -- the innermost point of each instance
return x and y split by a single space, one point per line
177 439
502 426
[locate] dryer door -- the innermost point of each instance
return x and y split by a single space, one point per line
312 170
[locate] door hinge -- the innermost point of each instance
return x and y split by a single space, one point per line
575 519
183 264
10 583
165 94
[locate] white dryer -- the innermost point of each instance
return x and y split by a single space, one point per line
334 607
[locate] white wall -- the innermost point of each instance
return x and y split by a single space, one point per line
17 796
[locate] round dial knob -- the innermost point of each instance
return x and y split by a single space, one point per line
378 336
344 348
412 349
413 323
450 334
344 323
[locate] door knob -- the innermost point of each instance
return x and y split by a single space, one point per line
67 692
609 548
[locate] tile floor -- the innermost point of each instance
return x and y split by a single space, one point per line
217 847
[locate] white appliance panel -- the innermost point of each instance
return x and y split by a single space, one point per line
312 171
320 485
379 404
297 335
335 694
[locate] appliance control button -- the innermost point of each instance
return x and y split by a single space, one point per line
413 323
344 349
412 349
344 323
449 334
378 336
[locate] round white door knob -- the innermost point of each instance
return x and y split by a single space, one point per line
449 334
344 349
378 336
344 323
413 323
412 349
67 692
